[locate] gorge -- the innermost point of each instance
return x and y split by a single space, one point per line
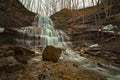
24 39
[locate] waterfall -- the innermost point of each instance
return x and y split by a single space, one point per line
42 33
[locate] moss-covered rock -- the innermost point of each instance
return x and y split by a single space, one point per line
51 53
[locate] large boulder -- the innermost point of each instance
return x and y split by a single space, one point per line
51 53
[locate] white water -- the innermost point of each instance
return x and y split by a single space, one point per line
42 34
1 30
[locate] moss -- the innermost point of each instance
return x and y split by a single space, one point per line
51 54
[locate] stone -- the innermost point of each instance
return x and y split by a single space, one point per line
24 77
5 61
9 67
51 53
23 54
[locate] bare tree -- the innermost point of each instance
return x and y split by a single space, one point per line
49 7
83 10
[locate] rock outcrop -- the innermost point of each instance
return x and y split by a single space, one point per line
66 18
22 54
84 30
14 14
12 61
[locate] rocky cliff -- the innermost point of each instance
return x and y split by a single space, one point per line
14 14
87 15
83 28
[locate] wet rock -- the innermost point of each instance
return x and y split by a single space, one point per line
101 65
10 64
5 61
75 65
9 67
24 77
8 37
51 54
5 51
44 76
23 54
113 45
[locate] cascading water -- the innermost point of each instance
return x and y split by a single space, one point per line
42 33
50 36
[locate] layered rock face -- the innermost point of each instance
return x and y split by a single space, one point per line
84 30
81 24
72 17
14 14
13 60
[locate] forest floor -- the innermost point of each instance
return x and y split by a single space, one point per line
20 63
14 67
